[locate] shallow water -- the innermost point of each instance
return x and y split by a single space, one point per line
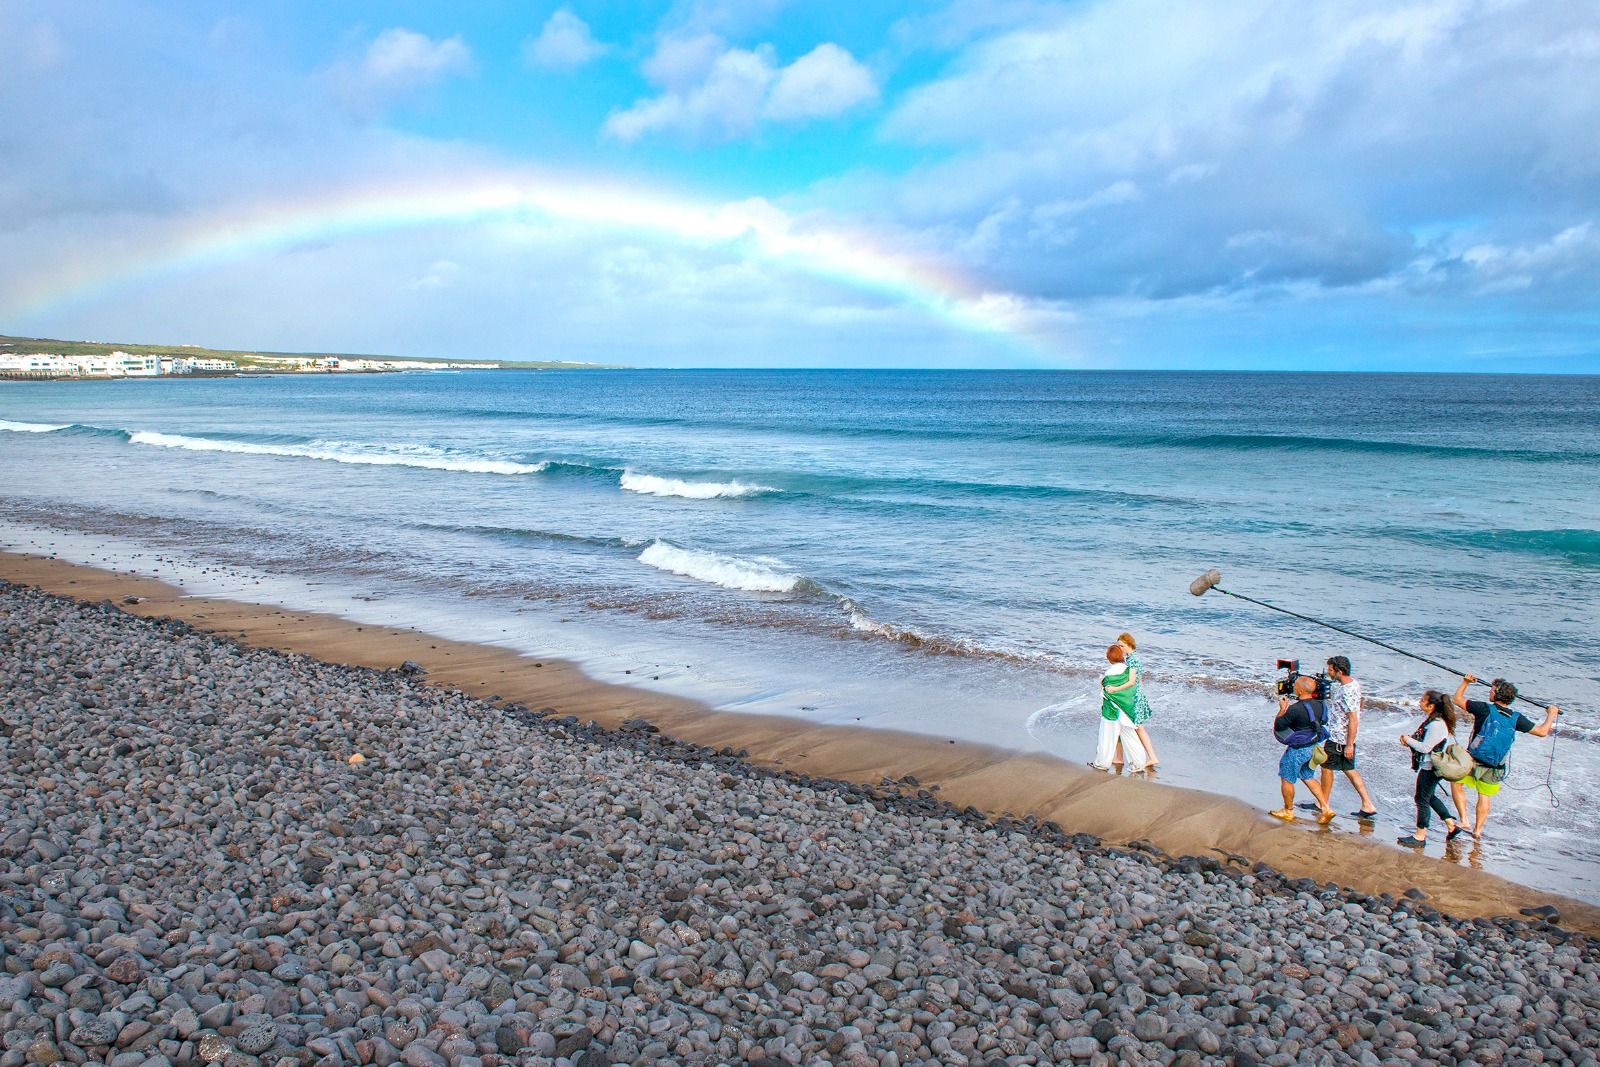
945 552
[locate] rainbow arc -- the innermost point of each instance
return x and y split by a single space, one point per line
755 228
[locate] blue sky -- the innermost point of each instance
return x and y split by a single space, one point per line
1098 183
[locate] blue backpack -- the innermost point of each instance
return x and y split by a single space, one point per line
1493 743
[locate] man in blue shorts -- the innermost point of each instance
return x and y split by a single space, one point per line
1494 717
1299 727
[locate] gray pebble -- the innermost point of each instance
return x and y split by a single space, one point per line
208 878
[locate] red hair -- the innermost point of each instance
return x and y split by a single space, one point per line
1115 654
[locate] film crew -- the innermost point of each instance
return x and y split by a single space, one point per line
1494 729
1344 722
1299 728
1437 730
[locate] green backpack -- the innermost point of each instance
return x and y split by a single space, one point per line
1452 763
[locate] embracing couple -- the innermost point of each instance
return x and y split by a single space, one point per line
1124 710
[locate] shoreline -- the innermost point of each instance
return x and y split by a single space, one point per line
996 782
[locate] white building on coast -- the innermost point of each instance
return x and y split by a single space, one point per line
112 365
120 364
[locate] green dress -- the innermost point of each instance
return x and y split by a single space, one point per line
1141 703
1114 704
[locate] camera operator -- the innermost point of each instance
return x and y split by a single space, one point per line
1344 722
1299 728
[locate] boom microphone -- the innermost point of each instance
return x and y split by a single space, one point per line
1212 579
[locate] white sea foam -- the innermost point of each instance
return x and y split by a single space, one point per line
652 485
340 452
730 572
31 427
1068 715
860 620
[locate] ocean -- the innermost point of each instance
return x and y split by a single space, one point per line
942 552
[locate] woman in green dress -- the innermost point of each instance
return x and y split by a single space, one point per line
1141 703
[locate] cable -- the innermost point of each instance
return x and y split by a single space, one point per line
1549 775
1371 641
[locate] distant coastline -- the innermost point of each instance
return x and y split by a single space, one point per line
50 359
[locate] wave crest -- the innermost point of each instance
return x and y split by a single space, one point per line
730 572
652 485
32 427
341 452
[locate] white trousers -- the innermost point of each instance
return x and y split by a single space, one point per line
1119 729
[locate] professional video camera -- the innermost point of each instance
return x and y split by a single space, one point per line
1291 669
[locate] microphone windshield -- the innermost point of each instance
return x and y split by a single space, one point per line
1205 582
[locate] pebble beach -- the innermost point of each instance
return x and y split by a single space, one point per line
215 853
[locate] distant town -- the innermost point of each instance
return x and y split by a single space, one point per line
54 359
117 364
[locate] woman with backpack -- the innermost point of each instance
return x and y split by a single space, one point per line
1436 732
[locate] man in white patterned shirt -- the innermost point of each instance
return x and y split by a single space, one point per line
1344 721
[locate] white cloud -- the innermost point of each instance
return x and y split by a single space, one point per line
726 104
1271 144
824 82
565 43
711 91
399 62
1492 268
682 61
733 18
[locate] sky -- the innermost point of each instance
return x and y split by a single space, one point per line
1228 184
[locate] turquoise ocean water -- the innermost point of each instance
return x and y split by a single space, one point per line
941 552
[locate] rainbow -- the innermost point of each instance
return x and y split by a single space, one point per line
754 228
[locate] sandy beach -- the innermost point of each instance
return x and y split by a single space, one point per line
994 781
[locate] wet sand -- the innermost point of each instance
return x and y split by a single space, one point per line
997 781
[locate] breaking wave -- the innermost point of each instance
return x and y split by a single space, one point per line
32 427
652 485
730 572
342 452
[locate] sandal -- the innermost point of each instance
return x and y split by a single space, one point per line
1286 814
1365 816
1457 832
1326 817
